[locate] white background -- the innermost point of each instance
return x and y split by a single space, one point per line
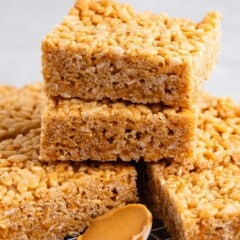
23 24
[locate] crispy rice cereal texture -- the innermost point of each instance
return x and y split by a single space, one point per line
40 201
203 203
104 49
50 201
20 109
78 130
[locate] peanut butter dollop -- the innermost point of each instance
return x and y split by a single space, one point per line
131 222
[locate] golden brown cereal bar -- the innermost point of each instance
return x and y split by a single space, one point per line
20 109
79 130
104 49
203 203
51 201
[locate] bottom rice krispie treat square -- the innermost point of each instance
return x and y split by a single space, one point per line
202 202
50 201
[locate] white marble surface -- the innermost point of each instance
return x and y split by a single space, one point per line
23 23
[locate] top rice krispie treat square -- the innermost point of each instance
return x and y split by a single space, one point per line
104 49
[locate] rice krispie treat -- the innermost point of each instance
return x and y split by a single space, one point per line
20 109
78 130
203 203
50 201
104 49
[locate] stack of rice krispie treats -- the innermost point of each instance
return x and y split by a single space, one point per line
123 86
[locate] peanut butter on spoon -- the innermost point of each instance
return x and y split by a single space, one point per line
131 222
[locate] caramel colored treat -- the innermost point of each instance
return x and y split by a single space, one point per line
51 201
78 130
104 49
130 222
20 109
203 203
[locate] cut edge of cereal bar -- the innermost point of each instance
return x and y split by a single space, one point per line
109 131
203 204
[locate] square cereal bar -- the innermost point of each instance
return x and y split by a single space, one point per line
20 109
202 202
105 131
50 201
104 49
